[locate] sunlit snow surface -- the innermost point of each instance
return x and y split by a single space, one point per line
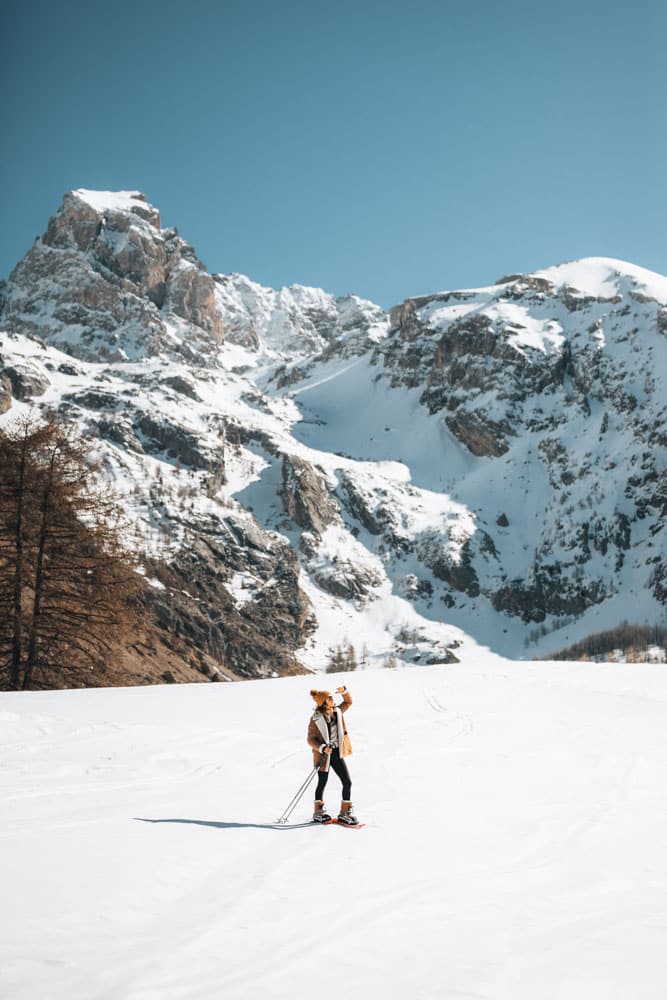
606 277
514 847
118 201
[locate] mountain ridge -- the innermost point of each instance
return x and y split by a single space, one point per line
484 463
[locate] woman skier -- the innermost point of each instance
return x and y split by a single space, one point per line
327 735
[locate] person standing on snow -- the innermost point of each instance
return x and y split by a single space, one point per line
330 743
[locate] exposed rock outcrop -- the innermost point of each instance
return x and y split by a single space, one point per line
257 638
481 436
5 393
26 379
306 495
347 580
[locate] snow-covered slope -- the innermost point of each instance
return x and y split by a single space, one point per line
484 463
539 406
514 846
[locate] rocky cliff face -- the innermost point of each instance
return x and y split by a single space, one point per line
107 283
558 376
303 470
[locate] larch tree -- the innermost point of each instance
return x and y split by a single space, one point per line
68 589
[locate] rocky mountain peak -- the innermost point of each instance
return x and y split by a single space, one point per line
83 214
105 282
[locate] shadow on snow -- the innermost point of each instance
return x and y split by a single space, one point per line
229 826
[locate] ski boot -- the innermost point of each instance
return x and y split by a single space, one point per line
320 815
346 815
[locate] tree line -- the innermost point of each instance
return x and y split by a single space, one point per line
633 640
68 588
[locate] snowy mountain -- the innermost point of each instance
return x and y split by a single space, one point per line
478 466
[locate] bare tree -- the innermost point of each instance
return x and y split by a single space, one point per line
342 659
67 587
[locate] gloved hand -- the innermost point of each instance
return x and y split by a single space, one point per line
341 690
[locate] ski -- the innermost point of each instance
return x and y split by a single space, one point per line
350 826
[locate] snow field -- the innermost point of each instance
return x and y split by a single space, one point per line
514 846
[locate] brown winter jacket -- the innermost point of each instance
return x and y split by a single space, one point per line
318 734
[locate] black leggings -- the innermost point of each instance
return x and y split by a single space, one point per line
336 763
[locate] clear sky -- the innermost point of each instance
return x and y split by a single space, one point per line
383 148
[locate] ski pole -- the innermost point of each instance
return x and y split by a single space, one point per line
292 805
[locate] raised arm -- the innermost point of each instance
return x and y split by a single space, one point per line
347 698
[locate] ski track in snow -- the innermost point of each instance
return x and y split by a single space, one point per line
514 846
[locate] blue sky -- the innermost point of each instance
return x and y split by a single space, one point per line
382 148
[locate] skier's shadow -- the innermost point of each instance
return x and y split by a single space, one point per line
228 826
